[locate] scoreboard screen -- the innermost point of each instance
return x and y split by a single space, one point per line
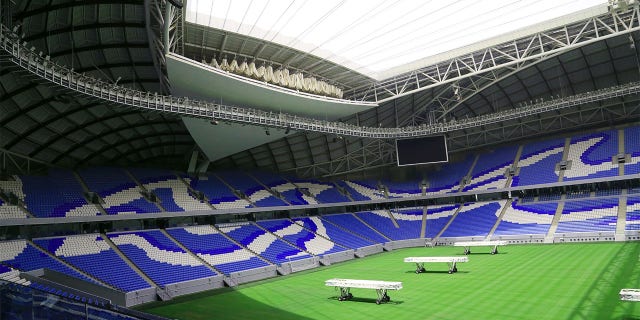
421 150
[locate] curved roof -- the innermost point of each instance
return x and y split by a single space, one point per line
114 41
380 38
595 66
109 41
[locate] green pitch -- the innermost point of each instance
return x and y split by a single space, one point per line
569 281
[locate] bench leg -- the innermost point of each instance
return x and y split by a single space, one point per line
345 294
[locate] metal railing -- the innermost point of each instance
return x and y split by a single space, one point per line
18 54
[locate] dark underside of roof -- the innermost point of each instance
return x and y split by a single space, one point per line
598 65
102 39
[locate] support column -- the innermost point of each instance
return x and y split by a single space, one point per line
556 219
621 225
565 155
621 151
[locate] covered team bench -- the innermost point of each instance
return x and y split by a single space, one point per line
381 287
468 244
630 294
451 261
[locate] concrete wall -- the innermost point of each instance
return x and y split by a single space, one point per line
329 259
245 276
367 251
193 286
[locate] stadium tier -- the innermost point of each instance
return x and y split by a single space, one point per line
21 255
322 192
240 181
596 214
578 194
173 193
334 233
159 257
474 219
218 193
349 221
363 190
490 168
264 243
269 179
447 179
8 211
633 213
216 249
538 162
400 189
264 198
63 294
58 194
608 192
437 219
300 237
526 218
632 148
12 275
93 255
287 190
409 220
380 220
121 195
591 156
256 193
12 186
293 195
349 188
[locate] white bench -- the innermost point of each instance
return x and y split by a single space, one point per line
491 243
381 287
630 294
451 262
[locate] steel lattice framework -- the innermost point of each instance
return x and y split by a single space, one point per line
164 30
39 66
513 53
376 153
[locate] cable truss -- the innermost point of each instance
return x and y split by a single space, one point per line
45 70
513 53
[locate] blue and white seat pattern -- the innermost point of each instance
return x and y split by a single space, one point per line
93 255
474 219
526 218
159 258
214 248
263 243
21 255
591 156
633 213
437 217
300 237
332 232
600 214
489 170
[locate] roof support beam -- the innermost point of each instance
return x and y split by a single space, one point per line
508 54
590 115
34 65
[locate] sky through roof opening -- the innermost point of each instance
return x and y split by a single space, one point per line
378 38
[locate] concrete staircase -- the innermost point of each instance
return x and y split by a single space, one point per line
556 218
621 226
507 204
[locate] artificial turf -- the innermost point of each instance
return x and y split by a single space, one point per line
560 281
